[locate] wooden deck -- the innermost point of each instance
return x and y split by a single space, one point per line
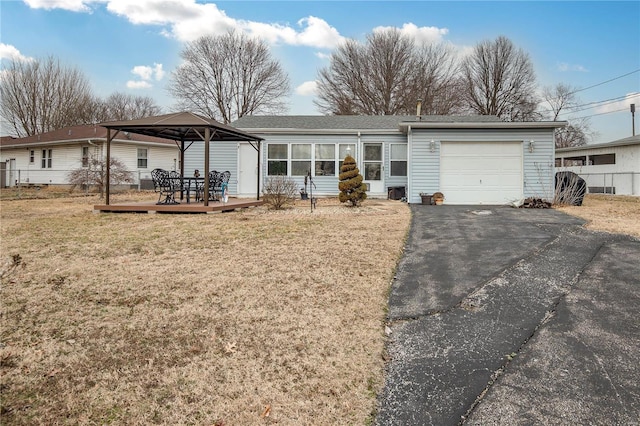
183 207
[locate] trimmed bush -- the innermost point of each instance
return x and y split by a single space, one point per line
351 187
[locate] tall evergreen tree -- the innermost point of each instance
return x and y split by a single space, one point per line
351 187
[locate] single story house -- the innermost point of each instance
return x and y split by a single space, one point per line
611 168
47 158
471 159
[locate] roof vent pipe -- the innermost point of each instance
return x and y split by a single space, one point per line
419 108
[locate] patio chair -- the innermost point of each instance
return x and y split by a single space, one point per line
214 182
163 185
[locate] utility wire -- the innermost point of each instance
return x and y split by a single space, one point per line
567 110
598 84
593 115
604 82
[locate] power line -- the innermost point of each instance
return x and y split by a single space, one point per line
593 115
595 104
604 82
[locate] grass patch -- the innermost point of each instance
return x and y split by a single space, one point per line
617 214
194 319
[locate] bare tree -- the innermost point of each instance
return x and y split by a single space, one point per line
229 76
386 76
121 106
95 174
43 95
561 97
499 80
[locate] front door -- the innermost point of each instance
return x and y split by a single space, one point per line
248 171
372 165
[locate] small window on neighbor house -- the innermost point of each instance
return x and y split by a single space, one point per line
32 156
398 159
142 158
85 156
558 162
601 159
46 158
576 161
277 159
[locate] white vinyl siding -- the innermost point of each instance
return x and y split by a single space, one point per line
424 157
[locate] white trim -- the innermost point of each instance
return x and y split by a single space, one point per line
487 125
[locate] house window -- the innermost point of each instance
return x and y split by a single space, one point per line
558 162
325 161
300 159
142 158
576 161
32 156
277 159
343 150
398 159
599 160
46 158
85 156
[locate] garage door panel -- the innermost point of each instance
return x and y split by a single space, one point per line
481 173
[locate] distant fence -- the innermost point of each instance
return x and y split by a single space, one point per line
59 177
621 183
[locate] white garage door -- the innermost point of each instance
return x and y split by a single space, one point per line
481 172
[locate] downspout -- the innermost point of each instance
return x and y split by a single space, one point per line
409 163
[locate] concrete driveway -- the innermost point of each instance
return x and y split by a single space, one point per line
512 316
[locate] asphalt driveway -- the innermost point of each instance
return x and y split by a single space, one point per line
512 316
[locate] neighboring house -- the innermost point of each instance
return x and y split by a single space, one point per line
611 168
471 159
47 158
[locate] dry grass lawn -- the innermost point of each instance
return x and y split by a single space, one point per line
251 317
610 213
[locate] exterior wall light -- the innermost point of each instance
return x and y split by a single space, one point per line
531 146
432 145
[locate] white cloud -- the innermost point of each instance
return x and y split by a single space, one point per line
564 67
187 20
630 98
323 55
132 84
420 34
317 33
147 73
8 51
72 5
308 88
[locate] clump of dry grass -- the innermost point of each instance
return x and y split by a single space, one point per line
617 214
251 317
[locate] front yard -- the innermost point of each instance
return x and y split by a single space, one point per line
251 317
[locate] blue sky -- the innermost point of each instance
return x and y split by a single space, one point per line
133 46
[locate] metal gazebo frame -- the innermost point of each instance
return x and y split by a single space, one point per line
182 127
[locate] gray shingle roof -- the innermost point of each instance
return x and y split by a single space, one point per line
631 140
330 122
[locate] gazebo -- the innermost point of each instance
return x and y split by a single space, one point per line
185 128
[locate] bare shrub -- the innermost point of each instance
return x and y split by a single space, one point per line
570 189
280 191
95 174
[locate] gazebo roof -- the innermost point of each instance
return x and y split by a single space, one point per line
181 126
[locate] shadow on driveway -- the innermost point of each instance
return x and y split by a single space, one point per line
512 316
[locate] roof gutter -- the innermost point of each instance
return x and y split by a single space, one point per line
404 126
